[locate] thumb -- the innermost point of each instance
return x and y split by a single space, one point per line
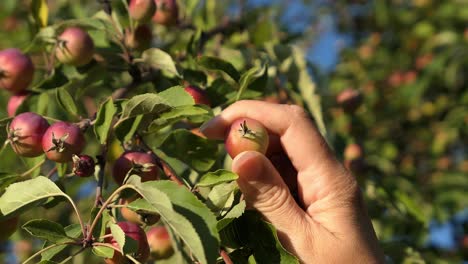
265 190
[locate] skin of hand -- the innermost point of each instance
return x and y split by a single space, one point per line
328 222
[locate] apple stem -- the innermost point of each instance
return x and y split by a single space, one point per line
225 256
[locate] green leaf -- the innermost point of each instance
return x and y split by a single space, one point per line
65 100
72 231
118 235
221 197
159 59
197 152
104 118
216 64
103 252
125 129
46 229
177 96
145 104
40 12
6 179
235 212
20 197
217 177
249 77
190 219
178 114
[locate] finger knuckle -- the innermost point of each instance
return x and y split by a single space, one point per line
297 111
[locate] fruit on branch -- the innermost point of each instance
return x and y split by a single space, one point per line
246 134
137 218
141 163
62 140
159 242
140 38
395 79
136 233
25 134
167 12
354 157
8 227
141 10
83 165
198 95
349 99
16 70
74 47
14 102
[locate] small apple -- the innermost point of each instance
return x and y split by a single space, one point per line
140 38
135 232
141 10
16 70
354 157
167 12
75 47
83 165
246 134
143 164
25 134
15 101
61 141
159 242
199 95
349 99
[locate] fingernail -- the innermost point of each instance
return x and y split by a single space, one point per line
208 125
242 159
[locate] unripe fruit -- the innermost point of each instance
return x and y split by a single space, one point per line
16 70
140 38
14 102
159 242
349 100
143 164
167 12
8 227
75 47
83 165
142 10
199 95
135 232
136 218
25 134
246 134
61 141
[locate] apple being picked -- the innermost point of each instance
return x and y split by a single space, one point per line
246 134
16 70
136 233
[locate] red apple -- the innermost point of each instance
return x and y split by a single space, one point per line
349 99
75 47
15 101
83 165
141 10
246 134
143 164
167 12
61 141
16 70
135 232
8 227
26 131
159 242
199 95
140 38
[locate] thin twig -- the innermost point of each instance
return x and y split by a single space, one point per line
225 256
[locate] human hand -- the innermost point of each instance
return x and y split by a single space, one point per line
329 223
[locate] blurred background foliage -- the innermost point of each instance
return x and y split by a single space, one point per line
406 139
